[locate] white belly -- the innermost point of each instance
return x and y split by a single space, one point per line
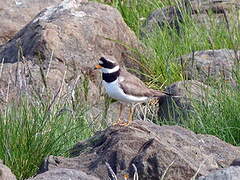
113 89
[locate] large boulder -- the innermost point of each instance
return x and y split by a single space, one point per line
154 150
73 32
15 14
59 48
6 173
168 16
24 79
211 65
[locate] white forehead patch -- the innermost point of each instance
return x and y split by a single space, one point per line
100 62
110 60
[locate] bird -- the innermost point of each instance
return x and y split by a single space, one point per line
124 87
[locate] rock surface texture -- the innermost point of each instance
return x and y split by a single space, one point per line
15 14
151 148
6 173
214 65
72 32
64 174
230 173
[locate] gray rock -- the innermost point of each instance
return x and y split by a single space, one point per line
151 148
207 65
15 14
88 34
64 174
230 173
184 94
6 173
167 16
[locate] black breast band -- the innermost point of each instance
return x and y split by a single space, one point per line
110 77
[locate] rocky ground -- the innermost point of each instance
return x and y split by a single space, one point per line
64 39
151 148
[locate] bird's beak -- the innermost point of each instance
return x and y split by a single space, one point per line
98 66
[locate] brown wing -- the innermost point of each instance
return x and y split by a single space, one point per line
134 86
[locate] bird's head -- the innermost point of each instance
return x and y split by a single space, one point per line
107 66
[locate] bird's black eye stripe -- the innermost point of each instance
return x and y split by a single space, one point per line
106 63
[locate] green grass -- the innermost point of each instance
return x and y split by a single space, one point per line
29 132
218 116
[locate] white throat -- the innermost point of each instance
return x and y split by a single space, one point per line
106 70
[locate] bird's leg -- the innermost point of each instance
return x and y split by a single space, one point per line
120 114
153 101
130 116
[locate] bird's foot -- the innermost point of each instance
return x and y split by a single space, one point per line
125 123
121 123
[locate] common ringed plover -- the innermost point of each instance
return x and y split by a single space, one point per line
124 86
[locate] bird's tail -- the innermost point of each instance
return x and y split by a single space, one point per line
167 93
161 93
159 96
